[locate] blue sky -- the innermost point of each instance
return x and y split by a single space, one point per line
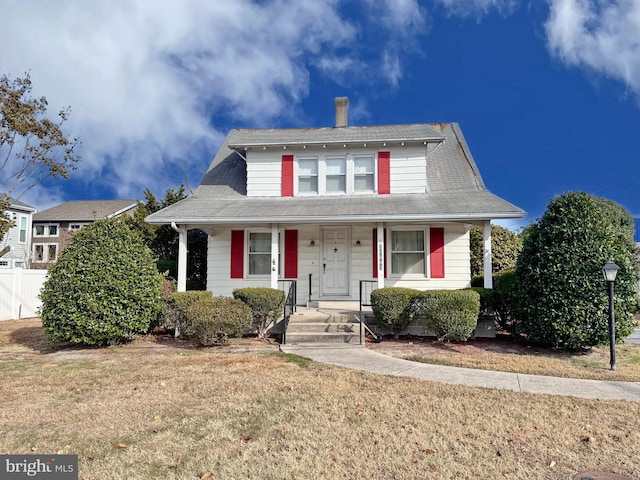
547 92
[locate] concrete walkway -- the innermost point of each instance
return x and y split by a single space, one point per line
361 358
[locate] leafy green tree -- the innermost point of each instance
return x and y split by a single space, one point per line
505 248
163 240
561 296
103 289
32 147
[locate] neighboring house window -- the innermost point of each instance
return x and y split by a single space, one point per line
38 230
18 264
363 173
4 264
23 229
307 175
38 252
407 252
53 230
336 176
52 252
259 253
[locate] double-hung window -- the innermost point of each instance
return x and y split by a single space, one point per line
259 253
363 173
336 175
23 229
308 175
407 252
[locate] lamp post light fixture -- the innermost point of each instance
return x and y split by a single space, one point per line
610 270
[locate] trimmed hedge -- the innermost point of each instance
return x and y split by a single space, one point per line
453 314
501 301
103 289
213 321
389 307
266 304
175 308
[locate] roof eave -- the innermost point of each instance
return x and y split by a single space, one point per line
238 146
458 217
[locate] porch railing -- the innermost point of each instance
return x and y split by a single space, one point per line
290 287
366 288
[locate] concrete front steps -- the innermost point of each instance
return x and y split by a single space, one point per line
316 326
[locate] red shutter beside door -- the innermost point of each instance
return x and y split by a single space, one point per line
384 173
436 252
237 253
291 254
287 175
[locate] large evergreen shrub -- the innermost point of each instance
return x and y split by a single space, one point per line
560 292
103 289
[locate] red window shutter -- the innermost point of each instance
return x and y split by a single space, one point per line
375 253
287 175
291 254
384 173
237 253
436 252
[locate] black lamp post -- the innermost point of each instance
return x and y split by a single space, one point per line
610 271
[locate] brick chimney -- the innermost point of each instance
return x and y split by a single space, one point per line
342 111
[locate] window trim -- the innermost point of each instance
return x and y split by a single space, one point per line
45 252
350 175
22 231
426 229
247 234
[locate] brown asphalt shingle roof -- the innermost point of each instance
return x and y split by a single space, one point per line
84 210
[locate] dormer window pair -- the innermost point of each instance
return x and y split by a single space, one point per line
335 174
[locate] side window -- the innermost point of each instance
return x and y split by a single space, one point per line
38 230
52 251
38 252
23 229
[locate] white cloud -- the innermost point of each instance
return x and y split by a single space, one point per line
478 8
599 36
145 79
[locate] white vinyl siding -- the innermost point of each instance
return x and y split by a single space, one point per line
408 170
264 174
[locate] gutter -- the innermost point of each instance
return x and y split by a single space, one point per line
473 217
332 142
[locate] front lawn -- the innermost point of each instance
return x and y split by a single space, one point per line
146 412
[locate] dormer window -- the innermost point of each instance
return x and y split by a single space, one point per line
336 176
307 175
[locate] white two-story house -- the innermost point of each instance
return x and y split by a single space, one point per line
332 206
16 244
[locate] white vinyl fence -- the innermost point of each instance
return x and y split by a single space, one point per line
19 292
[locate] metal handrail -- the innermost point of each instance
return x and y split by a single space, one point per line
366 288
290 303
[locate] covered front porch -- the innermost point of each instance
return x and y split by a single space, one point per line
328 260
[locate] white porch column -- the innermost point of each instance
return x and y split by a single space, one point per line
182 258
380 254
274 255
488 278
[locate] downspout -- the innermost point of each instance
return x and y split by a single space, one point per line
182 257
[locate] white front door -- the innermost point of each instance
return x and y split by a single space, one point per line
335 261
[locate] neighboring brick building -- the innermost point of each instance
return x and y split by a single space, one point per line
53 228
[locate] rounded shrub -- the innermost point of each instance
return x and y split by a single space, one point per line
560 293
389 307
453 314
174 310
266 304
214 320
103 289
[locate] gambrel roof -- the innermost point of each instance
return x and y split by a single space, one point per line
454 191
